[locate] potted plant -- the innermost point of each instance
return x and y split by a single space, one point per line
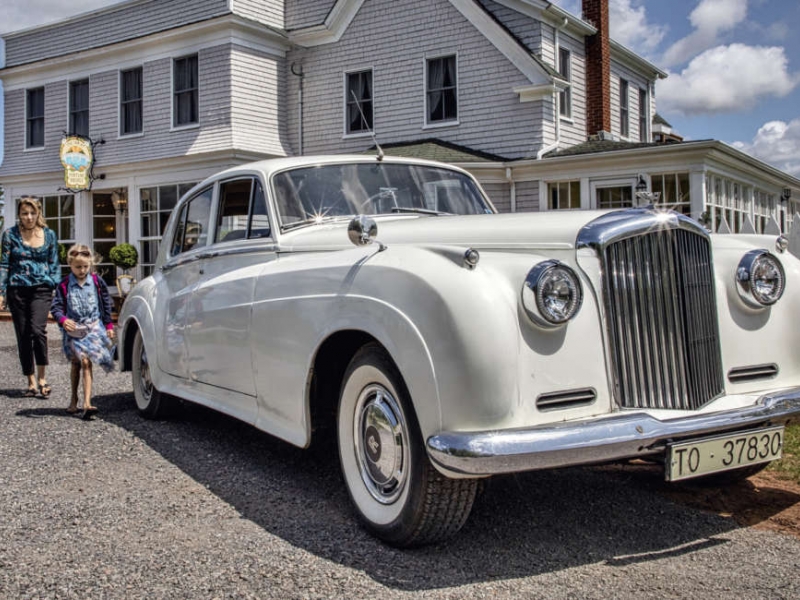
125 257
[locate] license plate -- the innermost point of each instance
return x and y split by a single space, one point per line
723 453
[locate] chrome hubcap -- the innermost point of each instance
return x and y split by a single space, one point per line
381 443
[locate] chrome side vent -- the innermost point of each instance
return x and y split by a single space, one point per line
566 399
752 373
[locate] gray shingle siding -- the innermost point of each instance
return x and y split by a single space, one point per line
499 195
525 29
395 42
304 13
220 69
527 196
269 12
258 102
127 21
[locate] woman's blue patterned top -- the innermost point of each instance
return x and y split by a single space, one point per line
23 266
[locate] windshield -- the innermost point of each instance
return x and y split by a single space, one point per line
314 193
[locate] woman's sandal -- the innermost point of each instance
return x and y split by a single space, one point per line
44 390
29 393
88 413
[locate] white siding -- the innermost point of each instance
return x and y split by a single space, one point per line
527 196
258 104
573 131
125 22
635 81
394 42
269 12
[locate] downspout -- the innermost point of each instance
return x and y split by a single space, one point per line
512 188
300 75
556 118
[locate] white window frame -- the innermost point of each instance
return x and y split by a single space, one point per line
427 123
346 102
624 108
173 116
43 117
121 133
565 95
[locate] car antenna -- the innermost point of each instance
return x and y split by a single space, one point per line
371 129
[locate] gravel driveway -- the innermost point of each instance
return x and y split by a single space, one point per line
204 507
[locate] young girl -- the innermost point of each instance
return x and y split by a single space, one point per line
82 308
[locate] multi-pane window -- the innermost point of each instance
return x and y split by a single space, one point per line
564 194
104 235
615 197
624 117
643 115
184 88
673 189
242 211
59 214
359 102
79 107
734 202
156 204
34 118
130 108
441 97
565 95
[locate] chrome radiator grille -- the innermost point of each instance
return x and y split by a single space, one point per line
662 320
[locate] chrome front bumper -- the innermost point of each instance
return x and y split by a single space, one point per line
616 437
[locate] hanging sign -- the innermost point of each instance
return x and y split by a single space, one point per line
77 157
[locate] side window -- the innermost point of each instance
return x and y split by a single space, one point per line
192 229
259 217
234 203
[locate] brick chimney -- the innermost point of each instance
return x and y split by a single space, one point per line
598 69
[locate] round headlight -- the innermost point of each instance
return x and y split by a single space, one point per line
552 293
760 278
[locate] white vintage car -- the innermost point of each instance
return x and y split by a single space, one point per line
445 343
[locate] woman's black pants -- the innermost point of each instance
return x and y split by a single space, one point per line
29 307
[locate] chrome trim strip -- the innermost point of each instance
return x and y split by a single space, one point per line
739 374
615 437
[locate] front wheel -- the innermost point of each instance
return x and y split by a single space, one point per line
399 496
150 402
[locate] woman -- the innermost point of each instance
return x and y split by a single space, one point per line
29 271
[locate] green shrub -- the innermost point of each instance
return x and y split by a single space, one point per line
124 256
62 254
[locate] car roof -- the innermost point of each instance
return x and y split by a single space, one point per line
273 165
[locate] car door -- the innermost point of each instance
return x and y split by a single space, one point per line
218 335
179 274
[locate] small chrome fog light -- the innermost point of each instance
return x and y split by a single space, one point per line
760 278
782 244
551 294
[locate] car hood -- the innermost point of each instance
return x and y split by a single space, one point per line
518 230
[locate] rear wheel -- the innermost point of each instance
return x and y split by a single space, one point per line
399 496
150 402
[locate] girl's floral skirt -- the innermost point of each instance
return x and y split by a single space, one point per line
95 345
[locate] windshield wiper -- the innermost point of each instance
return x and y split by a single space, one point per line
422 211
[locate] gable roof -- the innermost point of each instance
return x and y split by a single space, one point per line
343 12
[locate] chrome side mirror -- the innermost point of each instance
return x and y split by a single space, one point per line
362 230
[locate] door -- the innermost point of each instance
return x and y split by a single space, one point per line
179 275
219 330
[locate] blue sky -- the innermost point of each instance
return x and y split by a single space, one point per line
733 65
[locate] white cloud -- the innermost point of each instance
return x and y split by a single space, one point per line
629 27
727 79
710 19
777 143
